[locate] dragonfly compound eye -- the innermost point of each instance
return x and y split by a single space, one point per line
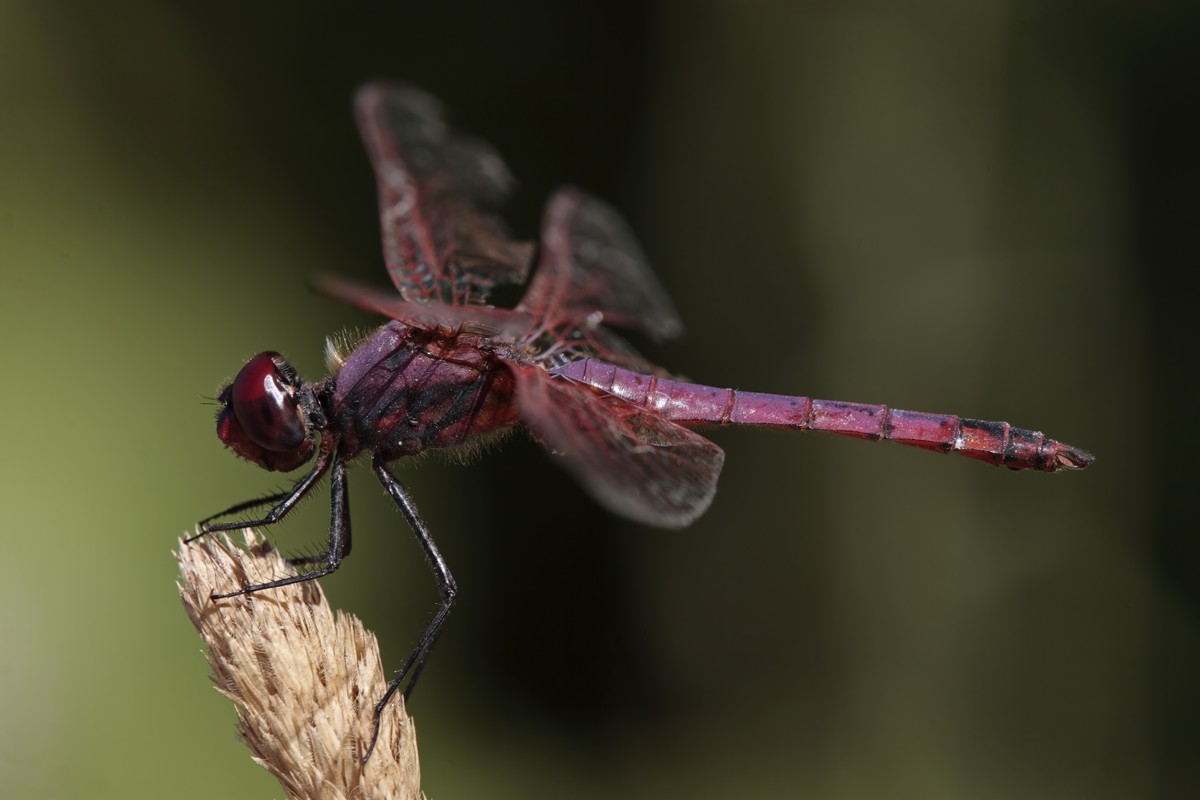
265 405
262 419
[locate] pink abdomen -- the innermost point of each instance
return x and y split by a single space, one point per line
993 442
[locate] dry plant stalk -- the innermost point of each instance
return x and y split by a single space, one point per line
305 681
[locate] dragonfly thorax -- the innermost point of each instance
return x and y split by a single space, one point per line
404 390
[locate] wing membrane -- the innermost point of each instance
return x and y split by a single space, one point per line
499 323
592 271
632 461
437 244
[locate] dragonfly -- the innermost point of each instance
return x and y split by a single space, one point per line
449 371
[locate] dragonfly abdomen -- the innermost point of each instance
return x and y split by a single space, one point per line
997 443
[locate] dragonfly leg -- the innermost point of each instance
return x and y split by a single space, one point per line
316 558
339 540
234 509
342 544
284 502
411 669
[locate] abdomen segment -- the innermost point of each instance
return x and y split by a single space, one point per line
993 442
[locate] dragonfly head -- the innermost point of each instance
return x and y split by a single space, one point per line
263 416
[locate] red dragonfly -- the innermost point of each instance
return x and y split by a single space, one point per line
448 369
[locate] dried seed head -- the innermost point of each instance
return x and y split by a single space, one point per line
305 680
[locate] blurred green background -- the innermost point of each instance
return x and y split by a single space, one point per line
982 208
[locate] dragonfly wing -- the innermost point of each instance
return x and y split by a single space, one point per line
592 271
632 461
437 244
499 323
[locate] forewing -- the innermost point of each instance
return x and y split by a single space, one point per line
592 271
632 461
499 323
437 243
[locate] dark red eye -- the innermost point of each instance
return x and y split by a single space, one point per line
262 418
265 405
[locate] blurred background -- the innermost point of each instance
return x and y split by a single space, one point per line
979 208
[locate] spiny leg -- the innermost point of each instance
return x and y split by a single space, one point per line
339 539
411 669
234 509
317 558
285 502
